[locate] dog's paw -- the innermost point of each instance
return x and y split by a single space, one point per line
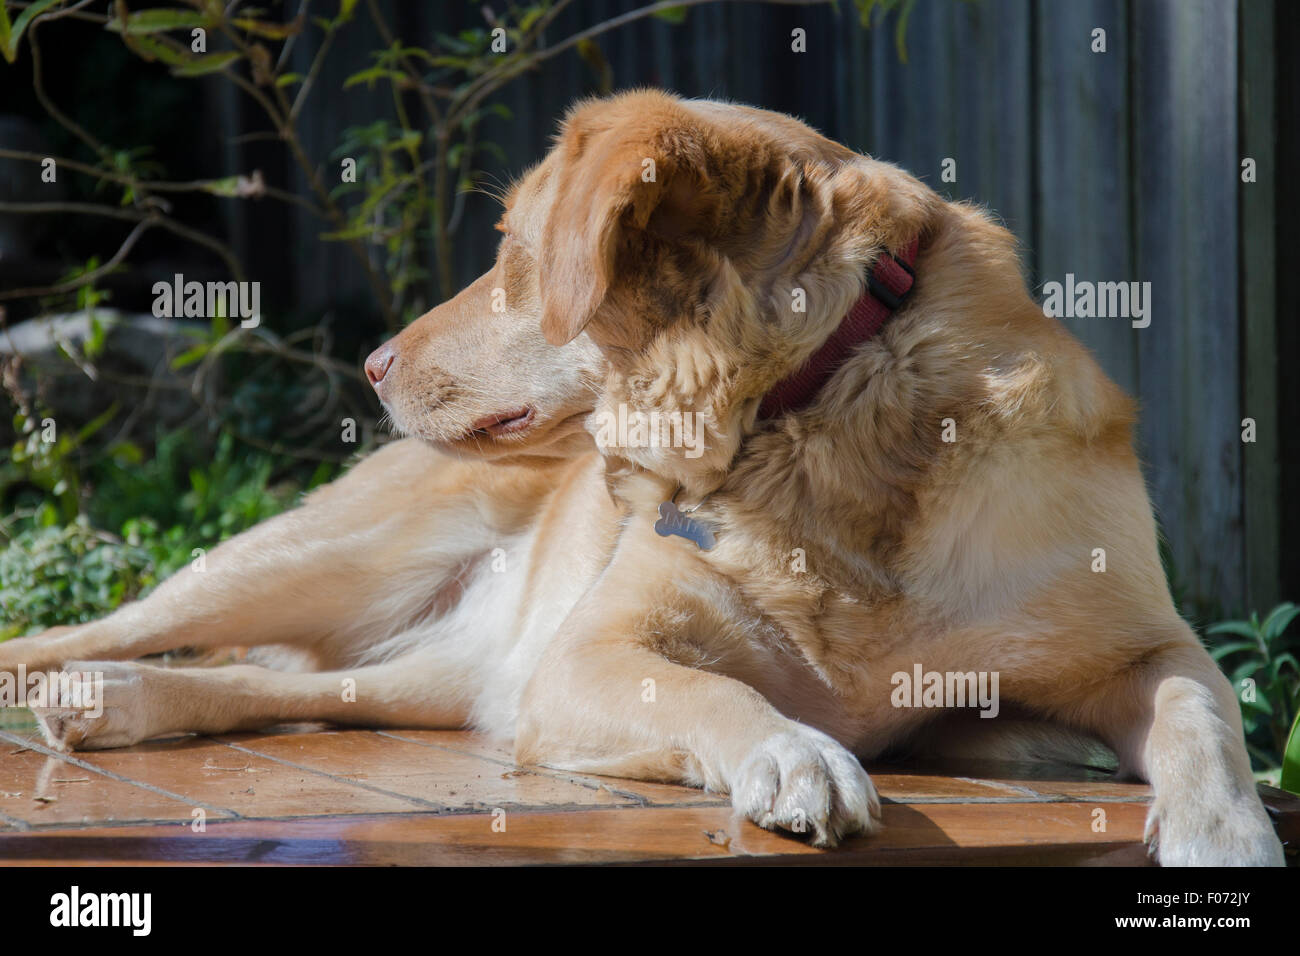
803 781
1239 835
100 704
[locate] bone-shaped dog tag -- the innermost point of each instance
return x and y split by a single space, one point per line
672 521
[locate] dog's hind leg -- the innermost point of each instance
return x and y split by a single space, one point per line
1173 720
429 689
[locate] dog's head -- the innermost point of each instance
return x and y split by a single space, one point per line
476 376
707 249
680 257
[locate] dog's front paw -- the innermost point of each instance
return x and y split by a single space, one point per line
97 705
1239 834
802 780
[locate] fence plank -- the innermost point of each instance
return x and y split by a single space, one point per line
1185 63
989 52
1082 195
1262 510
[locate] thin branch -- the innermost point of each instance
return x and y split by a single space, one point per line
76 208
287 48
153 185
88 277
313 72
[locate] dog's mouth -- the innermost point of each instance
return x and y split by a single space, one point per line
510 422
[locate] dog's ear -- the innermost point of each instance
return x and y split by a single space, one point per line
615 174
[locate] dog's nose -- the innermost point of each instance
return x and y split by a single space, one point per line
379 362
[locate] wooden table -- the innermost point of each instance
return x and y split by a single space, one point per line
436 798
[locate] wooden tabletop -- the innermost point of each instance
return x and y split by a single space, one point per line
297 795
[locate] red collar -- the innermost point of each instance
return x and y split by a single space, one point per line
888 285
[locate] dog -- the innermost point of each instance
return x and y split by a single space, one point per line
902 467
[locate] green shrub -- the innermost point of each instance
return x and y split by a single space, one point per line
66 574
1259 659
141 519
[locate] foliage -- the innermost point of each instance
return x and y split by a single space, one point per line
1259 659
195 501
46 459
65 574
1290 778
189 494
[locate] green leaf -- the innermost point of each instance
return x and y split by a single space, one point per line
455 62
1287 658
158 21
346 9
94 346
1291 760
595 59
343 235
900 31
673 15
199 482
12 34
208 63
530 17
415 52
150 48
1260 704
227 187
6 32
190 356
288 78
126 452
271 31
1240 628
408 140
1248 669
370 76
1223 650
95 424
1278 619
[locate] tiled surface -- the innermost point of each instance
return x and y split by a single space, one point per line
422 797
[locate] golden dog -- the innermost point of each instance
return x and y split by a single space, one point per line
922 490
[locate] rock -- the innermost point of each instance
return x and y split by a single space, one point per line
133 368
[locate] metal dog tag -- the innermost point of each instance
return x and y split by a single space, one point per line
673 521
